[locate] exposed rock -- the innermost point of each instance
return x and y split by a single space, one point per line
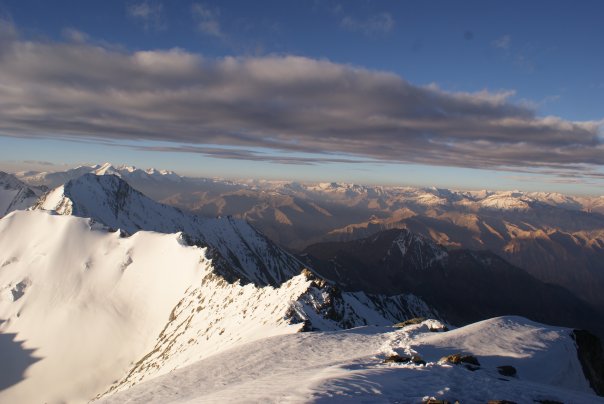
591 356
457 359
507 370
411 321
397 359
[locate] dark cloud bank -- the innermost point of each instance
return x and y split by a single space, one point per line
81 90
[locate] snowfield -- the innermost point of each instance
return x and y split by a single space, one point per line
349 365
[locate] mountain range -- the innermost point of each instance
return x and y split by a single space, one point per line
106 293
556 238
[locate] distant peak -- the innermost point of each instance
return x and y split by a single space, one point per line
125 167
106 168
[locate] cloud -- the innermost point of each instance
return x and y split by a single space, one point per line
148 13
376 24
39 162
207 19
503 42
250 155
289 104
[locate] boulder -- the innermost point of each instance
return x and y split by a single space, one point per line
417 360
457 359
507 370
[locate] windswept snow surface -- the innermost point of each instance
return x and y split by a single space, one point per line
86 301
349 365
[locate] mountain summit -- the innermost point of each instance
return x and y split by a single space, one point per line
109 199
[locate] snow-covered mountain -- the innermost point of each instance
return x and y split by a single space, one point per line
247 254
15 195
514 359
103 289
88 309
557 238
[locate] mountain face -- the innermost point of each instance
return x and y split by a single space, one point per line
15 195
465 286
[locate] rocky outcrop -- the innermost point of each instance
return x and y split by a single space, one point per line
591 356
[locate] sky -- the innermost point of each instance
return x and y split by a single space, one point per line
457 94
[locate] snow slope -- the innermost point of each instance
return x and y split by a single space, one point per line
87 301
349 365
85 310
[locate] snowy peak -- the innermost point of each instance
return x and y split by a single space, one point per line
106 168
132 172
507 201
111 201
109 169
240 251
